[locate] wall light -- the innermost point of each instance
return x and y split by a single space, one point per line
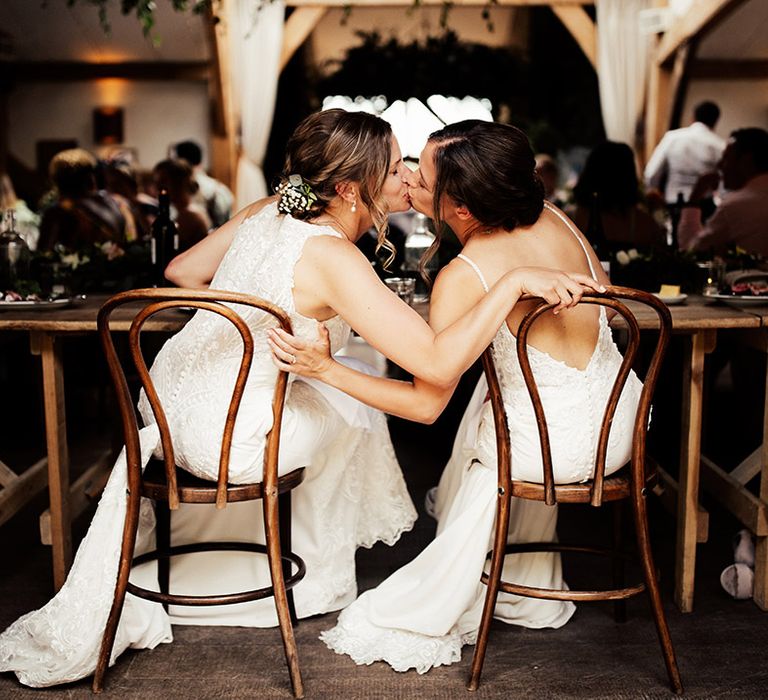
107 125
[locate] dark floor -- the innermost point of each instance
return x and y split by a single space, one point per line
722 647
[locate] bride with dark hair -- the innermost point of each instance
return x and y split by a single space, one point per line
478 178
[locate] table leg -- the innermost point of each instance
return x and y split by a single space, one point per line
760 593
697 347
49 348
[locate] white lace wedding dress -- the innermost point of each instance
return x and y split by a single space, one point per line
353 495
424 613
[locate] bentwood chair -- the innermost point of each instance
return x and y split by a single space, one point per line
168 486
631 482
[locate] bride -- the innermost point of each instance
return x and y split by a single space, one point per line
343 173
478 178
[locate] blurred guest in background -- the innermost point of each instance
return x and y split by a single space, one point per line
192 220
215 196
683 155
27 222
82 214
608 189
549 174
741 219
121 182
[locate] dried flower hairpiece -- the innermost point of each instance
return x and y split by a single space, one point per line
295 195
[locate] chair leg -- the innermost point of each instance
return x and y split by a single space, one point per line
492 590
163 545
284 510
649 572
272 534
123 573
619 606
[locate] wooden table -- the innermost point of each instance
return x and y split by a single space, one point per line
46 329
698 321
730 488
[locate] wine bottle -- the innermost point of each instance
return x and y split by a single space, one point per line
164 242
14 255
596 235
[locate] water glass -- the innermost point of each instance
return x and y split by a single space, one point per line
711 276
403 287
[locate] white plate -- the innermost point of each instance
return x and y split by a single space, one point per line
36 305
673 300
738 300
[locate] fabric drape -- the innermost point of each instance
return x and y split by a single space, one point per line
255 32
622 59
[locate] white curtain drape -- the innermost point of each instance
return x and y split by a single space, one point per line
622 60
255 32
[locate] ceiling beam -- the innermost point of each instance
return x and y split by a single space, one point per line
68 71
298 27
581 27
729 69
701 17
455 3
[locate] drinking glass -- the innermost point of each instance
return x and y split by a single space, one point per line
403 287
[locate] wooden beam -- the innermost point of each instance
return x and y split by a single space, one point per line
66 71
581 27
666 491
666 86
455 3
224 143
724 69
298 27
18 491
701 16
740 501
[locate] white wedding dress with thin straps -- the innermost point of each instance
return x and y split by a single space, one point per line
353 494
422 615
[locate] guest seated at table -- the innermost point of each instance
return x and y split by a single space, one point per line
343 173
608 188
741 218
82 214
215 196
192 220
478 178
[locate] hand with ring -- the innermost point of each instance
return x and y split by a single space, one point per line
303 357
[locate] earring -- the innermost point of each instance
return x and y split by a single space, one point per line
354 205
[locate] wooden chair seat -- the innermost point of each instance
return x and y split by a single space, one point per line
192 489
615 488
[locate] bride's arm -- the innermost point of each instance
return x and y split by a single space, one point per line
195 268
417 400
340 276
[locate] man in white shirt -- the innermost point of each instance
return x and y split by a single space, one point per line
741 219
683 155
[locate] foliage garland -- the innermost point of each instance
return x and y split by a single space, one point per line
145 9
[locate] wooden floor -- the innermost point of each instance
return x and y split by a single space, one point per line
722 647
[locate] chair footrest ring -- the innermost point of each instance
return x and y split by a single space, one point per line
565 594
227 599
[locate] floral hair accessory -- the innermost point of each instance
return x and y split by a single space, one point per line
295 195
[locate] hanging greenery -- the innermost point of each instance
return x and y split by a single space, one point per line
442 64
143 9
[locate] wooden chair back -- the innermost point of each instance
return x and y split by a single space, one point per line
612 298
157 301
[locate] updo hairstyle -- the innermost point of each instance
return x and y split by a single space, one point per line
490 169
335 146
